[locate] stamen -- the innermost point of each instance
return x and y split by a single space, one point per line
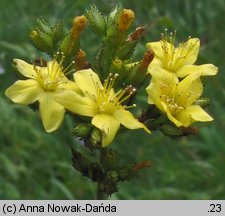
130 106
50 76
71 70
108 102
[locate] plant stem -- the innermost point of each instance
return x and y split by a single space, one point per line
100 193
100 185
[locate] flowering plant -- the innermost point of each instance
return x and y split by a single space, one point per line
101 96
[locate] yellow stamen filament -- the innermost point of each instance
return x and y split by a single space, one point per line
171 103
51 76
171 100
174 56
107 100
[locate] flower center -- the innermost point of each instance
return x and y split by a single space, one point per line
174 56
168 97
171 103
53 75
108 101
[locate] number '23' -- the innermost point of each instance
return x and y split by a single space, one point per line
215 208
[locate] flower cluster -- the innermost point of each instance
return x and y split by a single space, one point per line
103 97
176 83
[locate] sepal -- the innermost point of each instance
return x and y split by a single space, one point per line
97 21
96 137
82 130
203 102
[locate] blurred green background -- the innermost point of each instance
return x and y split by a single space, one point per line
37 165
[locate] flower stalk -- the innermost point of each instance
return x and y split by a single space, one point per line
100 185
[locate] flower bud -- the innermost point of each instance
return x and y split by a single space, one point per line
125 19
79 23
46 37
171 130
117 67
70 43
117 64
82 130
41 41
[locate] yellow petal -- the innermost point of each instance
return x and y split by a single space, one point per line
108 125
128 120
187 53
189 90
156 63
157 48
76 103
165 82
170 116
24 68
51 112
88 81
163 76
154 92
24 91
204 70
69 85
192 114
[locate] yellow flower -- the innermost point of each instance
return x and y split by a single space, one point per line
176 99
178 60
42 85
101 103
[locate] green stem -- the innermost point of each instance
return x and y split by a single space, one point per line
100 193
100 185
